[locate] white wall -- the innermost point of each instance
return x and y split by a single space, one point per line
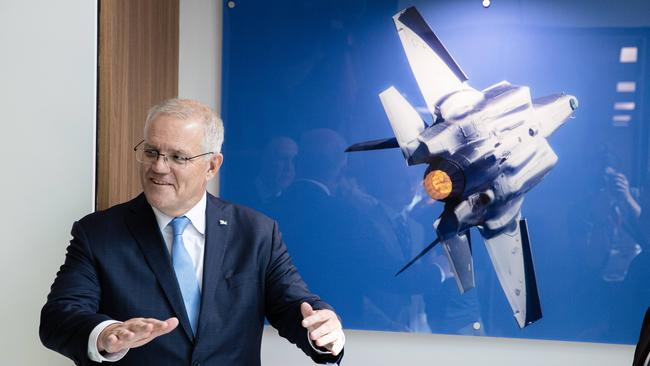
199 66
47 133
390 349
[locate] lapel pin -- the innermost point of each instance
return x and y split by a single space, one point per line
223 222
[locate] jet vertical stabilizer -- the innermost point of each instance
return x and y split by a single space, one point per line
404 119
436 72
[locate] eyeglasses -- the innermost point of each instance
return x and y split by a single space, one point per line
150 156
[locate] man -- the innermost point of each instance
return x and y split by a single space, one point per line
177 276
642 351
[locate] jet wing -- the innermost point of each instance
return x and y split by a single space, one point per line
459 253
512 260
436 72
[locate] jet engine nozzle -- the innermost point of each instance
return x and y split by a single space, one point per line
444 180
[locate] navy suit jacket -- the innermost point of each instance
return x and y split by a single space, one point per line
118 267
643 346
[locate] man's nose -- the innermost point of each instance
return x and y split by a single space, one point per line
160 165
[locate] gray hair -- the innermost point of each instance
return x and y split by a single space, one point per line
187 109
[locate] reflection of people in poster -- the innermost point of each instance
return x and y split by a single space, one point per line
633 296
609 238
276 171
354 236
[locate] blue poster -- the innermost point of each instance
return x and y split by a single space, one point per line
509 155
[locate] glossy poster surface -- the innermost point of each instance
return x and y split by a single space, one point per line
301 83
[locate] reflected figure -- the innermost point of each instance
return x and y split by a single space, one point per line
360 239
633 296
402 214
277 170
609 240
351 236
623 235
607 227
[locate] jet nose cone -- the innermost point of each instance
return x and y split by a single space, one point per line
573 102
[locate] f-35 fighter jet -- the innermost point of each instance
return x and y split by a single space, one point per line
484 151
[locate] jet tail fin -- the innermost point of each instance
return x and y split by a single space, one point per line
459 253
420 255
512 259
380 144
404 119
435 70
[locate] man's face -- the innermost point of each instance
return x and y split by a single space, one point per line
278 171
174 190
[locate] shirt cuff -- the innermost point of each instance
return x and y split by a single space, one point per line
93 353
319 350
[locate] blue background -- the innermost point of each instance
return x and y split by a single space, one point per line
294 68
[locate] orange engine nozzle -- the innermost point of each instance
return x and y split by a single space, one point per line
438 184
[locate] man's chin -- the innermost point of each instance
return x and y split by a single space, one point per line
157 199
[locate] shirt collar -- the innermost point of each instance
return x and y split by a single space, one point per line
196 215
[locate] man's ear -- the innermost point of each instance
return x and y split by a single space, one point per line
215 164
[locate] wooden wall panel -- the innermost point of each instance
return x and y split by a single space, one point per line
138 67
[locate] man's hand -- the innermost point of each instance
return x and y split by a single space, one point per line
324 327
133 333
621 187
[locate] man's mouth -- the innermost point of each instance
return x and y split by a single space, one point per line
159 182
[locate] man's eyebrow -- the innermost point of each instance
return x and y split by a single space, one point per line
172 151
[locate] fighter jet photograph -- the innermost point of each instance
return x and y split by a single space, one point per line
484 150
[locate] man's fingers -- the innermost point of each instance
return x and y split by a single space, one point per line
324 328
306 310
333 341
133 333
125 335
327 340
317 317
172 323
115 344
165 327
110 345
161 328
338 345
156 328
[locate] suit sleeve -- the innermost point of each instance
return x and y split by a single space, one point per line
643 345
70 313
285 291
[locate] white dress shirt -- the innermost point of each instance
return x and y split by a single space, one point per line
194 240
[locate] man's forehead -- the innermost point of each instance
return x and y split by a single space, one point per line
173 122
173 133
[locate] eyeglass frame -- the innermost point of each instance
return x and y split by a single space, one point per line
165 156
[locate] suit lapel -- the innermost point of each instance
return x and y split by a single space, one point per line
144 227
217 238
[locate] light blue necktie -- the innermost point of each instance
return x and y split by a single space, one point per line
185 273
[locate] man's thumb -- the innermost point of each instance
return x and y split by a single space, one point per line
306 309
